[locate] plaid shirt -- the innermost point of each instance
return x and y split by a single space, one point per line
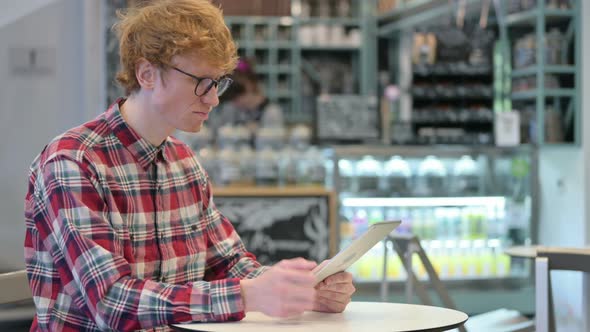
124 235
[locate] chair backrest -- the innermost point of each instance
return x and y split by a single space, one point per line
14 287
570 259
554 258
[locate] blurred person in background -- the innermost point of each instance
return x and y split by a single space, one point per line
243 103
122 232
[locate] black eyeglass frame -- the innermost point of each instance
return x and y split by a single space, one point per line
214 82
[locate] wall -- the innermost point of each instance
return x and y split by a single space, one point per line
564 216
17 9
36 106
586 146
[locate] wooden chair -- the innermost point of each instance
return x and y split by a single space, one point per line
16 303
549 259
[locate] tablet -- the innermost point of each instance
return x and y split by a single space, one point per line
355 250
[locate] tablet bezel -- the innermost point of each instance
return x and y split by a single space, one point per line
359 247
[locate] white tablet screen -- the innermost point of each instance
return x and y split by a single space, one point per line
355 250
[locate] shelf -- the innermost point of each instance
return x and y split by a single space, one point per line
420 13
553 69
284 94
280 69
273 191
263 69
405 9
453 97
347 21
548 93
529 17
451 70
452 124
454 74
420 151
262 45
283 69
334 48
423 201
259 20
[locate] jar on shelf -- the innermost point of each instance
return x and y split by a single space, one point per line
247 161
229 166
397 177
267 166
466 177
431 179
368 174
311 169
347 172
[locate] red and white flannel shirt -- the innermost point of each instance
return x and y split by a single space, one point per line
124 235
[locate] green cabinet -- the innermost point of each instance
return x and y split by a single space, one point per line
543 43
285 59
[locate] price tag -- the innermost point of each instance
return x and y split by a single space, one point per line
507 129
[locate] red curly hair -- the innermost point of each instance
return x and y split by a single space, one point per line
158 30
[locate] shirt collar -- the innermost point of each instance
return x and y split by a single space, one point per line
142 150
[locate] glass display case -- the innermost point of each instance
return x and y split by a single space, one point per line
465 204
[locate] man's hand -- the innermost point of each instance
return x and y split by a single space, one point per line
284 290
334 292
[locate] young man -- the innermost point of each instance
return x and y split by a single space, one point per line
121 229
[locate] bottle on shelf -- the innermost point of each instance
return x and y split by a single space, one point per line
375 215
443 224
474 223
360 222
395 269
429 224
417 223
346 227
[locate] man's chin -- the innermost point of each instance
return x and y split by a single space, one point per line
193 129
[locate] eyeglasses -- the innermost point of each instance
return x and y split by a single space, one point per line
204 84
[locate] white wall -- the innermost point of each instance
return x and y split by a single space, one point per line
563 223
14 10
586 145
36 107
564 215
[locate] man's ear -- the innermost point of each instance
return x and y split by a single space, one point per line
146 73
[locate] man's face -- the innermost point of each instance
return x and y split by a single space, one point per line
174 93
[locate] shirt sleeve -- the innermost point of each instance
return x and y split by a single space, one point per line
72 219
226 255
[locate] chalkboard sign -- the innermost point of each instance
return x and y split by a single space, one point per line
347 118
277 224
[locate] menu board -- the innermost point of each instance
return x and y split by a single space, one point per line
276 226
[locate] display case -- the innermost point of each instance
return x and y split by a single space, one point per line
465 204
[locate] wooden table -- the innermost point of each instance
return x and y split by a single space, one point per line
358 316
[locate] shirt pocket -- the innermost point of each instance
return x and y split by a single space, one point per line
191 250
145 260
